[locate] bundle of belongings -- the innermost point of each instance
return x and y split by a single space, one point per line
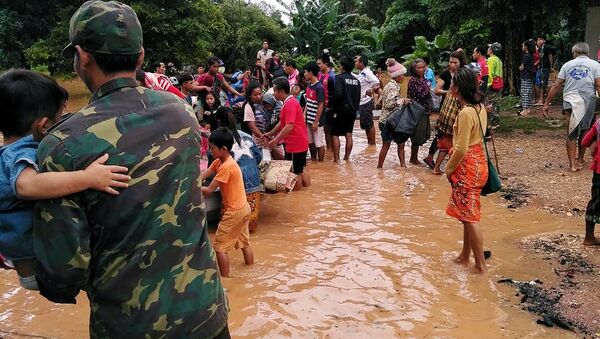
410 120
276 175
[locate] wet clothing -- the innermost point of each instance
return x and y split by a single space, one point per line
231 183
254 202
366 115
233 232
591 136
143 257
291 113
467 181
298 161
16 238
466 134
248 155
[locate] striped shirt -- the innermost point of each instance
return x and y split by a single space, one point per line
315 94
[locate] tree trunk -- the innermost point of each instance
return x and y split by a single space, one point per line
512 49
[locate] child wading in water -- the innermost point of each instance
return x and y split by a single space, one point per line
232 231
592 213
29 104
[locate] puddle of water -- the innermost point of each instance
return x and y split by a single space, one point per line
362 253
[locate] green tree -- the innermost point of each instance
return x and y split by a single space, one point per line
246 26
179 31
317 24
404 20
375 9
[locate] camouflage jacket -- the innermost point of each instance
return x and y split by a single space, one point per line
143 257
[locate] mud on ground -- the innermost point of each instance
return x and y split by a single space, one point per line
570 301
535 170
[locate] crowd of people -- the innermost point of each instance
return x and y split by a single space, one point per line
111 197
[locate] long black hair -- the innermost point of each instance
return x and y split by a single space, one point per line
225 118
467 84
217 101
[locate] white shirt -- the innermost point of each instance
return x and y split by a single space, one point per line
580 74
368 80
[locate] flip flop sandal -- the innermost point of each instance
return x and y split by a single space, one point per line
487 254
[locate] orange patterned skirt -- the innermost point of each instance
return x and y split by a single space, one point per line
467 181
254 202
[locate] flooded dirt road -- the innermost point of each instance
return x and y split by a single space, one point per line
363 253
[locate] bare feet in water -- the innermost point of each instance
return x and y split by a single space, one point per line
462 260
478 270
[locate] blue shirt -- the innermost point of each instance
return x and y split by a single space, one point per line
16 214
430 77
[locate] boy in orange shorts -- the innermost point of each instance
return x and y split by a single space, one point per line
232 231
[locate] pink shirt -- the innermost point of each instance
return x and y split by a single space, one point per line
291 113
293 78
588 139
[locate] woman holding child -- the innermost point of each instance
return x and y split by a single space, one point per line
467 168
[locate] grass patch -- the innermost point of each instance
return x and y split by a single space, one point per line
527 125
508 103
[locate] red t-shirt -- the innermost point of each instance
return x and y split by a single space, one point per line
484 67
324 79
208 79
291 113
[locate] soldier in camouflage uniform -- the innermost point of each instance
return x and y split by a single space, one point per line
143 257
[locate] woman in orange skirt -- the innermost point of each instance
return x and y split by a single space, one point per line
467 168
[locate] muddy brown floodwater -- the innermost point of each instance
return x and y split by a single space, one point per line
363 253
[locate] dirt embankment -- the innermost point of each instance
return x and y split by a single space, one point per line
535 172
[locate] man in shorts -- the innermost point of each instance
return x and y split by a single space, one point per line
369 83
546 63
581 77
313 111
291 130
346 99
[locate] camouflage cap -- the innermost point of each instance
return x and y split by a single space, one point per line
105 27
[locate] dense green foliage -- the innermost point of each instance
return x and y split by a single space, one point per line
186 32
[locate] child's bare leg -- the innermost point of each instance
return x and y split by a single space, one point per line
348 147
590 238
305 178
463 258
414 153
248 255
313 152
401 155
25 268
321 152
335 144
26 271
476 240
383 153
438 162
223 261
